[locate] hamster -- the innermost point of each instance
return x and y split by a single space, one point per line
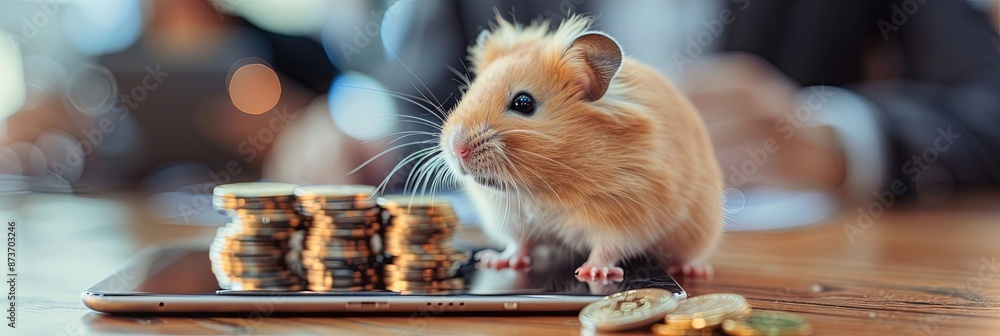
563 140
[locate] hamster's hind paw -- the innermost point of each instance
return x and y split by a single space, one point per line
601 272
697 270
497 260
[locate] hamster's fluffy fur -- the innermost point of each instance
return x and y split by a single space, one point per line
630 173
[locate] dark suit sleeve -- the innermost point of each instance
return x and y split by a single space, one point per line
942 118
944 61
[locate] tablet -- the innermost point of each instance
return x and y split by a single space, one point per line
178 278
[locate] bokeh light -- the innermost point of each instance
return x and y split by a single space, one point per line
361 107
96 27
12 88
254 88
344 45
63 155
43 77
396 22
92 90
289 17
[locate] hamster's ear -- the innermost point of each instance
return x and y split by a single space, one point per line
601 57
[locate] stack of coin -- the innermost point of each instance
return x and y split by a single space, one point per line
341 238
418 242
250 252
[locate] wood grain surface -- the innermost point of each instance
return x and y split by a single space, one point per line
916 270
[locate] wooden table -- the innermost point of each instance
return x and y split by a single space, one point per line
914 271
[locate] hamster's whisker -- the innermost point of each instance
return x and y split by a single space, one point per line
400 60
528 132
407 133
420 169
464 76
439 173
428 177
401 164
410 119
553 161
464 80
437 104
415 100
386 152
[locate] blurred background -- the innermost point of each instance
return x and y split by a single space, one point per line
813 106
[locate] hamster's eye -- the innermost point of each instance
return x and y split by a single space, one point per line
523 103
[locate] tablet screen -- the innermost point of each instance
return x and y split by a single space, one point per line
186 270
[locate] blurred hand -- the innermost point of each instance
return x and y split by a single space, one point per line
750 110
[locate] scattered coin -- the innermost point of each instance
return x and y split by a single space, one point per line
629 309
707 311
767 323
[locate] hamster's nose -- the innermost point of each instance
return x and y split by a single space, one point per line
462 151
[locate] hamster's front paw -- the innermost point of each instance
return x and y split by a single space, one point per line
600 272
693 269
508 258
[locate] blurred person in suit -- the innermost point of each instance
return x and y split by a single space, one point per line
857 97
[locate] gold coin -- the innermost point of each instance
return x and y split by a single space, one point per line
243 270
319 208
412 201
666 330
374 225
267 223
629 309
335 254
341 233
427 264
411 231
449 284
262 216
242 203
342 272
340 282
397 251
455 257
252 234
343 215
318 263
254 190
440 220
338 191
398 274
768 323
707 310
